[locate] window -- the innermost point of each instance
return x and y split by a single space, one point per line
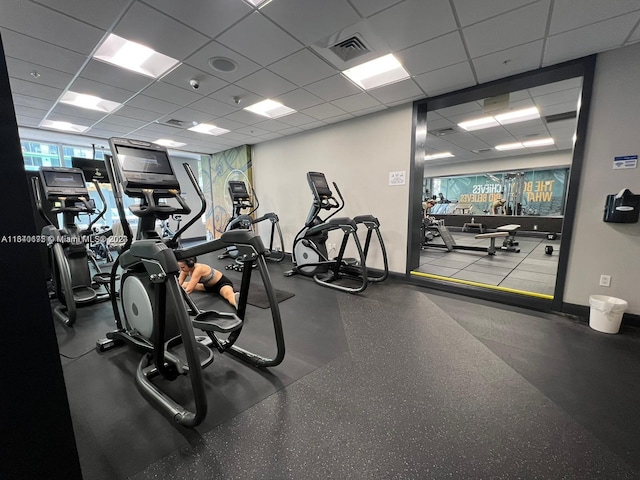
36 155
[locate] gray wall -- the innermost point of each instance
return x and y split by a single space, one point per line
614 130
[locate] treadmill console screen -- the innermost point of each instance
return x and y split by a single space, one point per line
238 190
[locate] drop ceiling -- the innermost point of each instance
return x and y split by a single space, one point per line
283 52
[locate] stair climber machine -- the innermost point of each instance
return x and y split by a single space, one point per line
310 255
69 256
241 200
156 311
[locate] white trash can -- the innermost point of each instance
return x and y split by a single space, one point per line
606 313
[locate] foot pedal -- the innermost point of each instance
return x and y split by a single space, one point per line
220 322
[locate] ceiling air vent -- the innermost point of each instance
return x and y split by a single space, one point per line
482 150
558 117
174 123
441 132
350 48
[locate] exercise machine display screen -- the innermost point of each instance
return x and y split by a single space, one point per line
93 169
61 181
319 184
238 190
143 165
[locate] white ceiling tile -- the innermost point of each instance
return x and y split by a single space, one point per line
252 131
258 39
210 17
397 92
76 120
171 93
583 41
356 102
200 60
31 89
213 107
433 54
333 88
138 114
367 111
130 123
266 84
26 121
111 127
245 117
95 12
227 95
272 125
520 26
30 112
32 102
48 76
324 111
189 115
302 68
570 14
311 126
146 25
297 119
508 62
472 11
152 104
339 118
369 7
228 123
447 79
65 109
311 20
106 133
182 76
111 75
413 21
298 99
292 131
49 25
42 53
102 90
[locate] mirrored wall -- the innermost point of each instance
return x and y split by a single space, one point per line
494 171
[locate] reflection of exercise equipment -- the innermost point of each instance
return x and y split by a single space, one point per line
513 188
241 200
156 320
509 244
309 251
450 244
165 228
68 254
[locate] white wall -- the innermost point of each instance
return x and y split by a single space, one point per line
358 155
614 130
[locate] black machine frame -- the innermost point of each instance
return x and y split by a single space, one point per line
161 319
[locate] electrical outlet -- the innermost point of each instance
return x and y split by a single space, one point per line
605 280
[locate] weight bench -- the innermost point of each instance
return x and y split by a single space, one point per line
509 244
491 250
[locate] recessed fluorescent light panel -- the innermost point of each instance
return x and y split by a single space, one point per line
529 144
439 155
377 73
89 101
168 143
270 108
208 129
258 3
507 118
134 56
65 126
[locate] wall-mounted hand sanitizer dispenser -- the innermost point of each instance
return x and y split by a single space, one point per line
622 208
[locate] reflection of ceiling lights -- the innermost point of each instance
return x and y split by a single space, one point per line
377 73
507 118
65 126
134 56
168 143
208 129
439 155
530 144
270 108
89 101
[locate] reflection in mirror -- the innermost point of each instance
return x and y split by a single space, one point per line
494 190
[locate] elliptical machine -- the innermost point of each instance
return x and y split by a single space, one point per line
74 285
155 318
241 200
309 253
